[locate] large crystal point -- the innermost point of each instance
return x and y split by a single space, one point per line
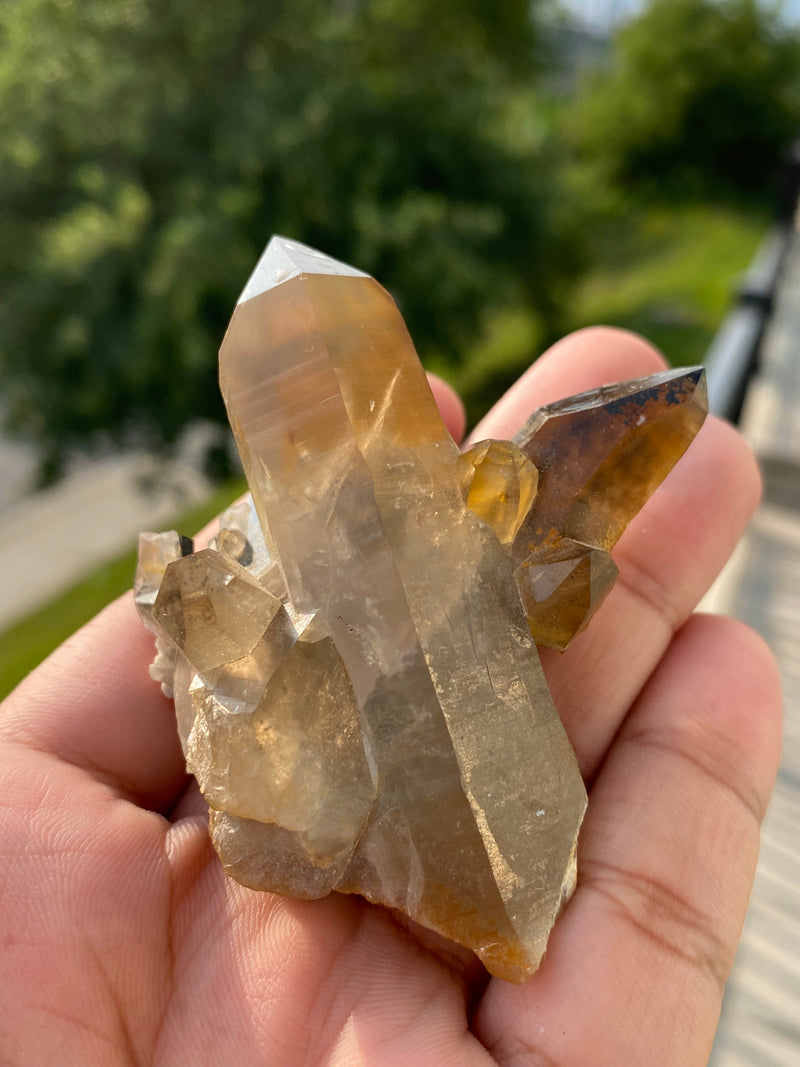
358 688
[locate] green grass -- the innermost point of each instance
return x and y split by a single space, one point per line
667 272
32 639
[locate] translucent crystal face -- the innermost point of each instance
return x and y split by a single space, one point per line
600 456
501 485
357 683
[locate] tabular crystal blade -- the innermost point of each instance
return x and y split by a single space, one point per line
602 454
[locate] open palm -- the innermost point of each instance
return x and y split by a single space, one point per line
122 942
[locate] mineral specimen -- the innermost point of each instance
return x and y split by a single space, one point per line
353 660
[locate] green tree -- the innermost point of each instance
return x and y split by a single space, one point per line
700 97
147 151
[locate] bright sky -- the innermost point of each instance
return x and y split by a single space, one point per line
601 13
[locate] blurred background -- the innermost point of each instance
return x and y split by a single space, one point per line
509 171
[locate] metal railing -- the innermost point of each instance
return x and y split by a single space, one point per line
733 357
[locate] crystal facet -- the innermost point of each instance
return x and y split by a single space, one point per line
501 485
356 678
562 585
600 457
602 454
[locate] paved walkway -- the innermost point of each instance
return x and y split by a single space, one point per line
52 539
17 469
761 1016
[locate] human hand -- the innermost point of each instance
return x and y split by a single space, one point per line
124 942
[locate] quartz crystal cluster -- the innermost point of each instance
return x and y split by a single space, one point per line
353 659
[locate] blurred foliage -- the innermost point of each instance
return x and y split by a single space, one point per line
699 99
666 273
148 150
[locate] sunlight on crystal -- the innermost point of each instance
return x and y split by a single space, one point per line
357 685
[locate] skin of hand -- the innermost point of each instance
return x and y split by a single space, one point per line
124 943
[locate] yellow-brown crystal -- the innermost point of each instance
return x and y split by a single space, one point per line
360 695
561 586
501 485
600 456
